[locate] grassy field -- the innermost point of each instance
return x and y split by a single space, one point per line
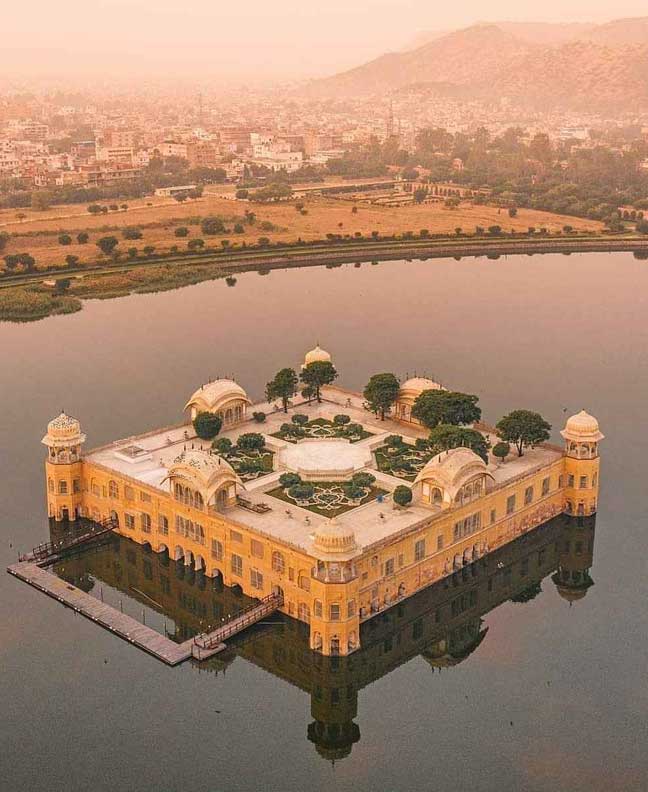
38 233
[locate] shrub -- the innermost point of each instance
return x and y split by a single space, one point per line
394 440
207 425
242 194
131 232
354 491
288 480
341 420
251 466
181 231
501 450
353 429
421 444
65 239
301 491
239 228
402 495
71 260
83 238
195 244
251 441
223 445
300 419
230 280
259 417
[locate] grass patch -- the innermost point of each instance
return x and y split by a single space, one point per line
323 429
29 305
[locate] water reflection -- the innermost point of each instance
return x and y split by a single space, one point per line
444 624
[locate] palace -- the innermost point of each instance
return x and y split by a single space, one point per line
337 553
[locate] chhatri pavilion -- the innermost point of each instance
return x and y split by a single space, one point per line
332 542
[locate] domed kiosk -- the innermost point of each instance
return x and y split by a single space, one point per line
409 391
457 476
204 481
64 439
582 437
224 397
316 355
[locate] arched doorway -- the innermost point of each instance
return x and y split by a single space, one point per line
278 591
178 553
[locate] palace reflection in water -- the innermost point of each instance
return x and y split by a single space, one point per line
443 623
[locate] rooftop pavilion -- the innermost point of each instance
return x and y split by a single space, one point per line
148 459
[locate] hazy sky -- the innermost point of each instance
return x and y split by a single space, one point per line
266 38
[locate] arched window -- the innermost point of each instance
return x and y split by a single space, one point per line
437 495
317 608
303 582
198 501
113 489
303 612
278 562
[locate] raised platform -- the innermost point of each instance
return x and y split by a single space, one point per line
106 616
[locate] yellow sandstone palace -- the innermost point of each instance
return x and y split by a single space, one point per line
337 558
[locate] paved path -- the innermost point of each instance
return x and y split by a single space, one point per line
118 623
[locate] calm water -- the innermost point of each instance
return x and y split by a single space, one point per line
535 695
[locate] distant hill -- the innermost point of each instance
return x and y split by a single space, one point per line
547 33
604 66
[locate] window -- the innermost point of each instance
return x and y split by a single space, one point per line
303 582
419 550
50 485
145 521
546 483
570 481
317 608
510 504
303 611
256 579
351 609
237 565
401 560
493 516
334 612
216 550
145 497
595 479
440 542
561 481
389 566
95 488
528 496
163 524
113 489
76 485
129 521
63 488
235 536
278 563
256 548
583 482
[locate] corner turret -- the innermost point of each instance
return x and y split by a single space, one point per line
64 440
582 437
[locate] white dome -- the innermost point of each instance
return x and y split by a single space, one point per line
317 355
419 384
582 426
332 537
213 395
63 431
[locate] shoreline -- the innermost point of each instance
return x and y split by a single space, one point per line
223 263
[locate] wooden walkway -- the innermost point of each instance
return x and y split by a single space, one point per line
106 616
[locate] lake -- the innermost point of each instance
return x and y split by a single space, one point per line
528 692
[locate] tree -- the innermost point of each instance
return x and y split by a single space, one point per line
300 419
61 285
71 260
132 252
363 479
107 244
259 417
501 451
41 200
317 374
65 239
207 425
95 209
283 386
302 491
148 250
341 420
223 445
83 238
181 231
381 392
288 480
512 212
131 232
402 495
212 225
446 436
251 441
195 244
434 407
523 428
